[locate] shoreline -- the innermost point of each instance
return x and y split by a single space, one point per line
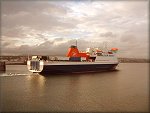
22 60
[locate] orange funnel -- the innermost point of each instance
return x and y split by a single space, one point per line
73 52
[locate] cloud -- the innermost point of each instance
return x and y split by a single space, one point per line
128 38
56 48
41 16
107 34
50 27
15 7
5 44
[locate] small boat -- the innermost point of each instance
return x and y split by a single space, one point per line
92 60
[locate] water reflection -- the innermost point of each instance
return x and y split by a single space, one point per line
36 82
72 95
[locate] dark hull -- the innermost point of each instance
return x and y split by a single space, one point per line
58 69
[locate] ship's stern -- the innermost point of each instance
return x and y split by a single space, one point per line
35 66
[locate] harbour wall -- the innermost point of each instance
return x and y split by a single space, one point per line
2 66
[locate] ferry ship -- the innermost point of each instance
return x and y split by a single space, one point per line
92 60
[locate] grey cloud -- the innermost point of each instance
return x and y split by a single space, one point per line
5 44
13 7
38 21
8 44
32 14
119 14
13 32
58 39
138 7
107 34
40 36
49 48
128 38
127 22
23 47
46 48
17 15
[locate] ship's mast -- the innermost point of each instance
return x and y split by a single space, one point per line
76 42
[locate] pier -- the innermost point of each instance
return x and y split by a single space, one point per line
2 66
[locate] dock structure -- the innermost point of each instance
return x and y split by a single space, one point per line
2 66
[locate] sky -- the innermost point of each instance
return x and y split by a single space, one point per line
51 27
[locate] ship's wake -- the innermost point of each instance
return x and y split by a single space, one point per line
13 74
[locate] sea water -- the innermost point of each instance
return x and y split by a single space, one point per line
123 90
